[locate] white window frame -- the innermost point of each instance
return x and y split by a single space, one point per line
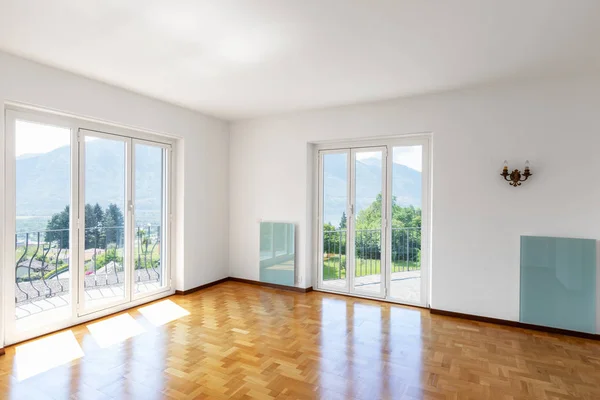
13 112
352 220
319 232
82 309
166 216
422 139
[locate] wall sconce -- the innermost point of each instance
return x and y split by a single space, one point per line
515 178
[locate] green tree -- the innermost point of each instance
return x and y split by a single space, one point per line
113 223
370 217
58 228
95 234
402 217
90 217
341 237
329 238
101 227
91 222
99 213
343 220
406 232
368 230
328 227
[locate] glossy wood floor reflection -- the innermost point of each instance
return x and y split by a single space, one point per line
246 342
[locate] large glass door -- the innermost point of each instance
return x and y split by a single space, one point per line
150 217
125 217
38 274
334 207
367 221
88 222
104 222
373 218
408 256
352 214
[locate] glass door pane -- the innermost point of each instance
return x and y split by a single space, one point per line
334 208
104 256
149 218
407 189
42 279
368 197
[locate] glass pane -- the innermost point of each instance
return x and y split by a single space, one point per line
558 283
335 202
149 193
406 224
277 253
368 206
104 255
43 197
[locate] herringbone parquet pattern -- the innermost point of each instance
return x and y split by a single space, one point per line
246 342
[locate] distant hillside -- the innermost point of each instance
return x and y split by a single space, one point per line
406 186
27 155
43 179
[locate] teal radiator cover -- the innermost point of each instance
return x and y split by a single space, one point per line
558 283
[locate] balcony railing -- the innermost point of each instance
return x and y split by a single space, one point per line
406 252
42 268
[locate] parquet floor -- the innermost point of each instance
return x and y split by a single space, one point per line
245 342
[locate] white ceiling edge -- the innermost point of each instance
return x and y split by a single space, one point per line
520 79
44 64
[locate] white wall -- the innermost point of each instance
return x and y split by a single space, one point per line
477 217
202 170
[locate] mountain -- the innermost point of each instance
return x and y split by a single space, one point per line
27 155
406 185
43 180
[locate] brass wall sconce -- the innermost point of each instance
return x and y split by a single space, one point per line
516 177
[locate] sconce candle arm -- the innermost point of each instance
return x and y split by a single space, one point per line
525 176
516 177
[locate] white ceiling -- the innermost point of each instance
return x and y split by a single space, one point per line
245 58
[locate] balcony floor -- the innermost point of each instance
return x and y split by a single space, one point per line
405 286
96 292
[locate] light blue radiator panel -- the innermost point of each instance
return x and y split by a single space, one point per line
277 253
558 282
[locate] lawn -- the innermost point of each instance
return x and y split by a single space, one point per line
331 267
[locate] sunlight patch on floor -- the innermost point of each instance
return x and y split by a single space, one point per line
41 355
115 330
163 312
